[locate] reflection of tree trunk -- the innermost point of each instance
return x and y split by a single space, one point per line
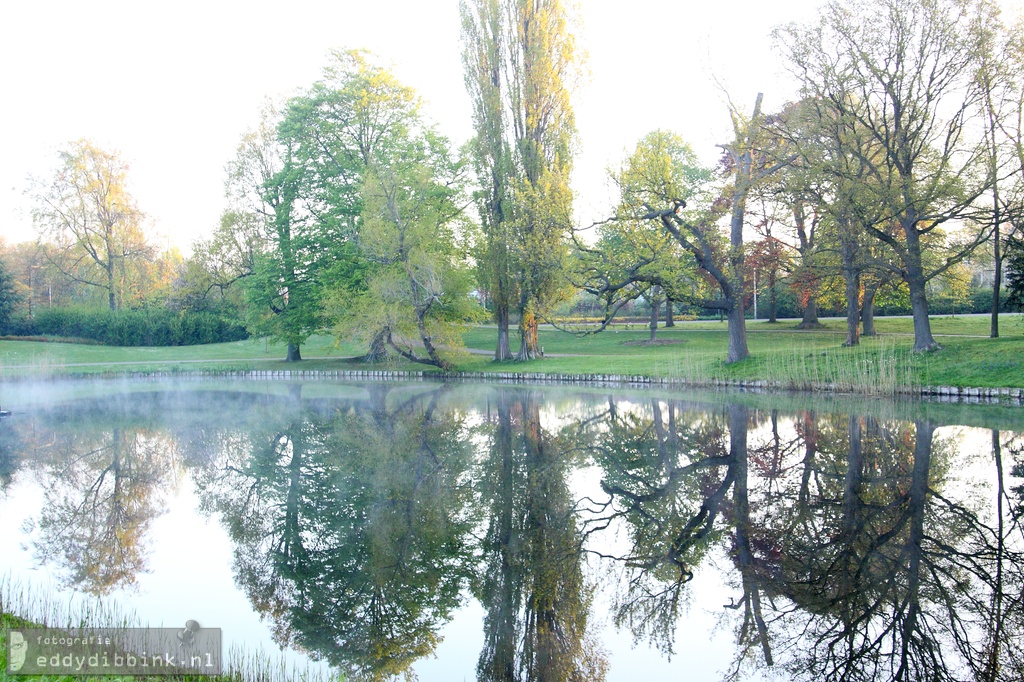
738 416
776 444
916 498
533 585
810 429
502 580
665 454
853 480
292 552
995 621
555 615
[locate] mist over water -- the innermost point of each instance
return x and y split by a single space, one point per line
516 533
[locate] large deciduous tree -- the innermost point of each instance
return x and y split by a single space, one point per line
301 174
418 283
520 59
903 73
658 197
87 213
281 291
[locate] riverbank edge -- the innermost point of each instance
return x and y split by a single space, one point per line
950 394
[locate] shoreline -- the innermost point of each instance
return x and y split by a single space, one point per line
944 394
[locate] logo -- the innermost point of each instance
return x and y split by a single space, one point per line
17 650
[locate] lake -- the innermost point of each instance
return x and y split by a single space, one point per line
496 532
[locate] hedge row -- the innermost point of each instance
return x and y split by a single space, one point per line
144 327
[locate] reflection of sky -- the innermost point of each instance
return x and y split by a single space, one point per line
189 575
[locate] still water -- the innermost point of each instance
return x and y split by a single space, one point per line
459 532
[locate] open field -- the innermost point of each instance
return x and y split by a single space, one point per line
695 350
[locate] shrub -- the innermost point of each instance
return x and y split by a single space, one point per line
142 327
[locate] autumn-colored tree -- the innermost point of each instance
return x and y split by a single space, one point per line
93 224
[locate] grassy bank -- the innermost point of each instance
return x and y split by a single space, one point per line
691 350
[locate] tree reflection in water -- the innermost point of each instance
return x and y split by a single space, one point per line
858 547
352 528
856 560
101 491
533 585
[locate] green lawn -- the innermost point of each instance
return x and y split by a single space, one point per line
778 352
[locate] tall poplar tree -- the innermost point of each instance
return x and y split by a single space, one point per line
519 57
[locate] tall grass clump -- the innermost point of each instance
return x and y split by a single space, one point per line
885 368
259 666
38 366
45 610
693 368
39 608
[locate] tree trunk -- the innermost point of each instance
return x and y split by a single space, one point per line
923 339
293 353
378 351
810 318
503 352
654 319
111 298
773 300
852 278
529 344
669 319
737 333
998 258
737 276
867 312
428 342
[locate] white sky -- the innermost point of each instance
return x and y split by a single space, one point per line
172 86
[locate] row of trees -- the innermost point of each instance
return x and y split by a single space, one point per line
348 212
901 158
